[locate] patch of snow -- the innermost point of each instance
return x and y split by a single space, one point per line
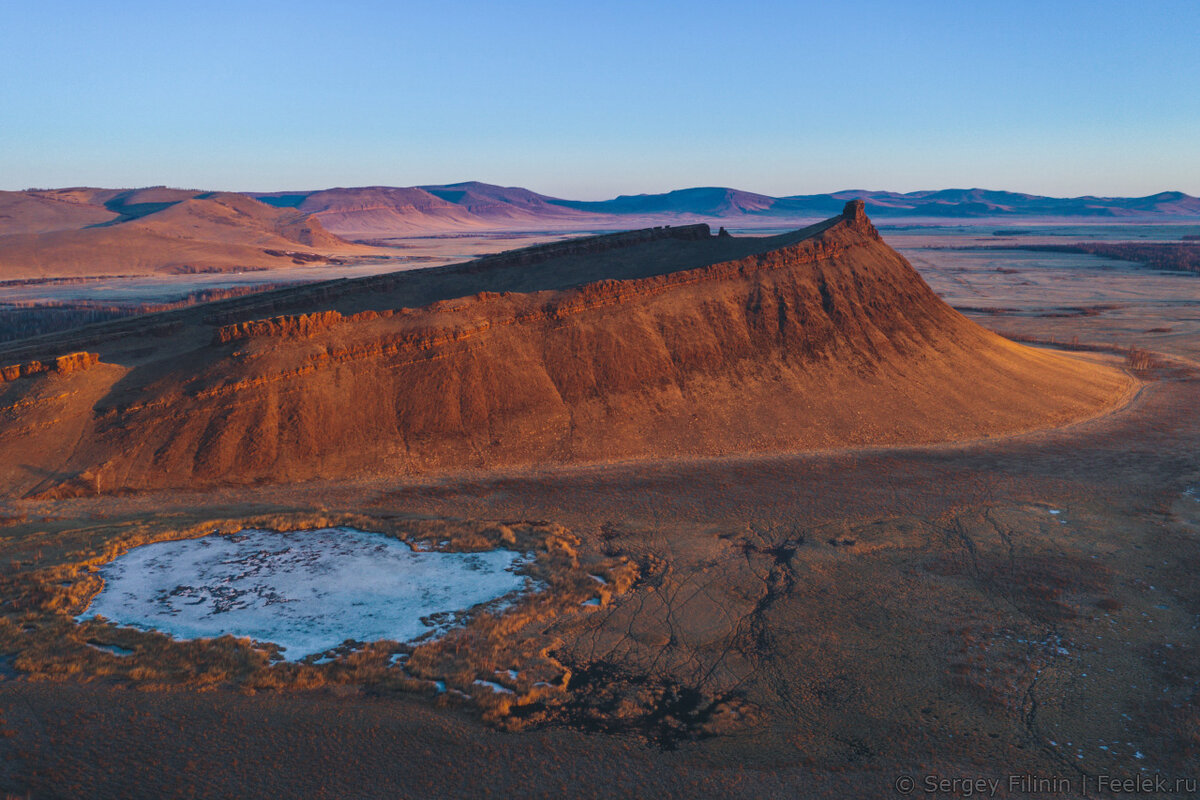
598 579
495 687
111 649
595 601
1055 511
307 591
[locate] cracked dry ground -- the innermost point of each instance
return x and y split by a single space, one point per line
802 626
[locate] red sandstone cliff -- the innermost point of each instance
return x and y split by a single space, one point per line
64 365
827 339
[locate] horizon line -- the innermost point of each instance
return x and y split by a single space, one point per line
424 186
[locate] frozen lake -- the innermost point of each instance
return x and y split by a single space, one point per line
307 591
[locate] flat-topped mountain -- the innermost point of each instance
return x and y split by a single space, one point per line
662 343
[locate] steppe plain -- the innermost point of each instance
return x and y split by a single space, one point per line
815 623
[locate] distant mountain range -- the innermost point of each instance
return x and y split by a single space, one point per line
381 211
90 231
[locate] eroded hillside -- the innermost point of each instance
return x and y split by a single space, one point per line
658 344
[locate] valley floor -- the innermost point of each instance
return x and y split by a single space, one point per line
813 625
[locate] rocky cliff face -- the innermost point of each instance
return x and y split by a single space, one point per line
294 326
63 365
832 340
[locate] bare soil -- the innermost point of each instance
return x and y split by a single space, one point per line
778 624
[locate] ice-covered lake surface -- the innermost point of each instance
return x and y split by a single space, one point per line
307 591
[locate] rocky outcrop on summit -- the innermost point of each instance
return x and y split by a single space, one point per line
64 365
823 338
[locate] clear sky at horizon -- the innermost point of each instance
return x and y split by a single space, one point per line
591 100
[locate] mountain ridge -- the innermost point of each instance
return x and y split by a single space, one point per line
474 204
83 230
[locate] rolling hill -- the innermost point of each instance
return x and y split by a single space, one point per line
31 213
92 232
380 212
198 233
706 202
384 212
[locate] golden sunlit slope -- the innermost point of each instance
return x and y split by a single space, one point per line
386 211
205 233
823 338
383 211
48 210
27 212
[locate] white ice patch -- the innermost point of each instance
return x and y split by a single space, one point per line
495 687
307 591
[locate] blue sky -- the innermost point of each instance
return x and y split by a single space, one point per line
587 100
